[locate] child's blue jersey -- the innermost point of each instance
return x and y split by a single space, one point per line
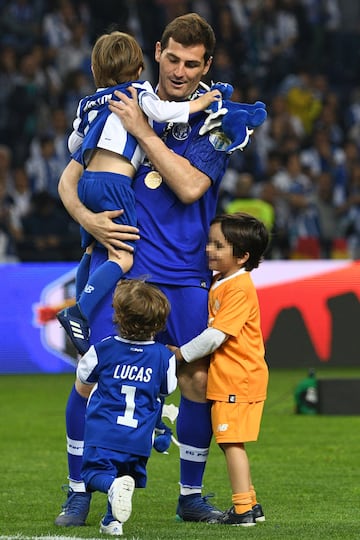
123 407
95 126
173 235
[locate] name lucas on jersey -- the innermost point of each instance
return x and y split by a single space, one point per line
133 373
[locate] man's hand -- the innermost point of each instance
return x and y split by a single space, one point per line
110 234
100 225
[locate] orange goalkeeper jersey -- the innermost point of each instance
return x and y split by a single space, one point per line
238 371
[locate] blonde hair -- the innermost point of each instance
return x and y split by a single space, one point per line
140 309
116 58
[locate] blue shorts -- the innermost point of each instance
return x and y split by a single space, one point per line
100 191
100 460
188 316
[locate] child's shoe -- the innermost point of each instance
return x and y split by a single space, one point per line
113 528
120 496
76 327
258 513
246 519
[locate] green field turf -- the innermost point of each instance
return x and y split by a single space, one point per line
306 470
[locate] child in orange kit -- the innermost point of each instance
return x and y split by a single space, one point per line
238 373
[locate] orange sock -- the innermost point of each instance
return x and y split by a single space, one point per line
242 502
253 495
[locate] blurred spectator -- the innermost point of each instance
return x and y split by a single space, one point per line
328 216
49 78
323 47
296 213
321 155
20 195
280 128
21 24
231 50
302 100
8 76
57 130
47 232
114 14
76 53
347 158
350 214
26 106
277 34
245 200
57 24
44 167
348 36
223 68
7 242
60 130
5 165
329 120
352 115
77 85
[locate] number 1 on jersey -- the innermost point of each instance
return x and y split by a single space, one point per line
128 418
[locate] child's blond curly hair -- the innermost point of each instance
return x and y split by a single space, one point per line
140 309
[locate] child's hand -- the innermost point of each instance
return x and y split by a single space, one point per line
209 97
176 351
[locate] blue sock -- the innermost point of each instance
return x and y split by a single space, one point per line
101 482
99 284
194 434
108 518
75 427
82 274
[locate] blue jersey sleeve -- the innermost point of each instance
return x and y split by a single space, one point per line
207 153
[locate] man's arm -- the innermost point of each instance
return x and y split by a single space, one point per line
187 182
100 225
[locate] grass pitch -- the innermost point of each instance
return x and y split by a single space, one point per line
305 469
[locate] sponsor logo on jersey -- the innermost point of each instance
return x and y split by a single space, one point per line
219 140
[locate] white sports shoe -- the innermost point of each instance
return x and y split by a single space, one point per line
114 528
120 495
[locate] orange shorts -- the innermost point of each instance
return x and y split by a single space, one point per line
236 422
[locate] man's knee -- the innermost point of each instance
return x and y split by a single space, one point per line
192 380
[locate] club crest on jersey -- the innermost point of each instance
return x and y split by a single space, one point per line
180 132
219 140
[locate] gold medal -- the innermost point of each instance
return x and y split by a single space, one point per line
153 180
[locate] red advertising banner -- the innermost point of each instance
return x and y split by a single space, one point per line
310 311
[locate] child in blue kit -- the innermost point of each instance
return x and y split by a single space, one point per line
131 372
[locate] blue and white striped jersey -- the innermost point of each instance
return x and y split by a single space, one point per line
123 406
95 126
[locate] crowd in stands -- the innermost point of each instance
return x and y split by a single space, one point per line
301 171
